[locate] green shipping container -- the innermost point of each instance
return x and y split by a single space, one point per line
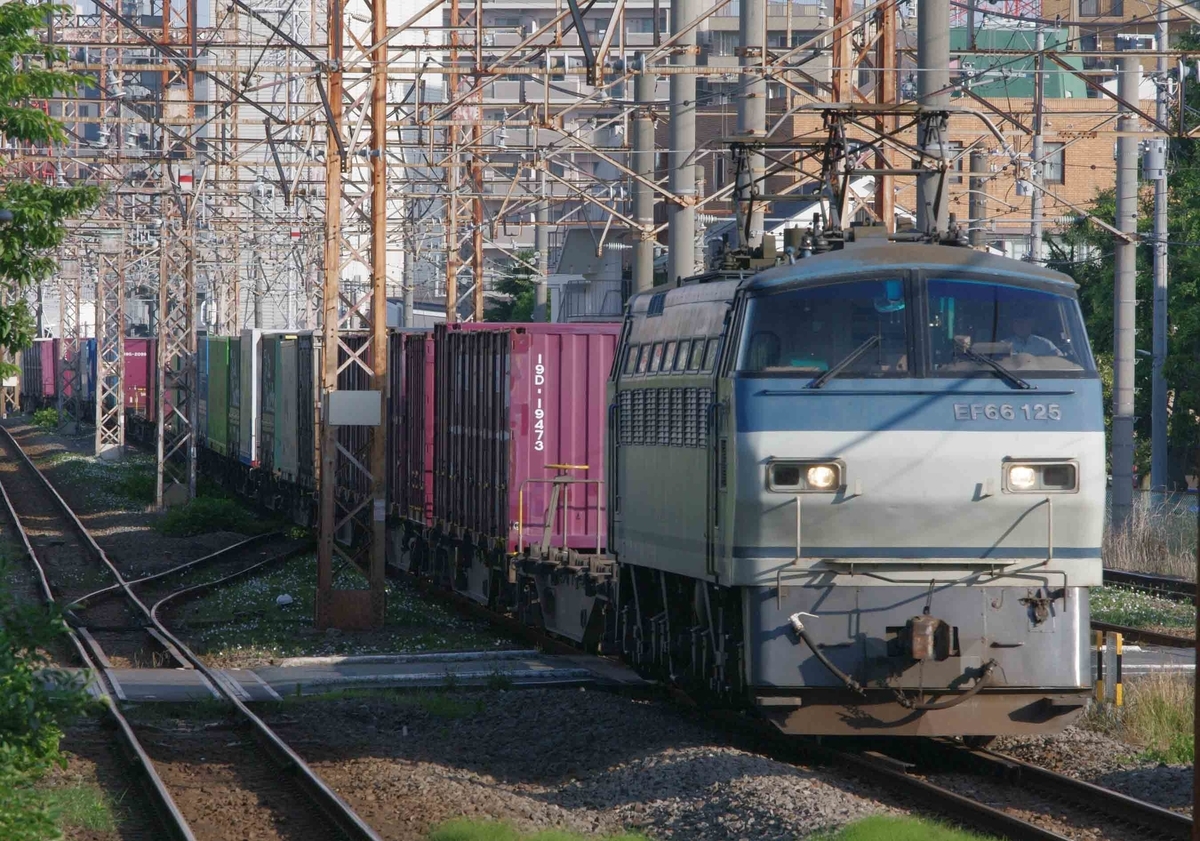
218 394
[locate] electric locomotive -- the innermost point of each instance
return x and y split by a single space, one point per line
862 491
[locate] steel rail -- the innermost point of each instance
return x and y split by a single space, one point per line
215 556
1144 636
172 818
1161 821
326 799
1177 588
894 774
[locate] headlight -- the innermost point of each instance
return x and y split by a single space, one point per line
821 477
1021 477
806 476
1040 476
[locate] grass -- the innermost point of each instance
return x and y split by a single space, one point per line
1124 606
1160 540
470 830
890 828
1157 717
80 807
242 624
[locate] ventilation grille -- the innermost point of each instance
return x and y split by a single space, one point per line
663 417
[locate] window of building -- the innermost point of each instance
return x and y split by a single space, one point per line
1054 163
1117 9
719 171
1089 8
954 152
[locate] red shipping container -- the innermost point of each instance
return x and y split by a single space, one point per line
517 406
49 351
413 426
140 370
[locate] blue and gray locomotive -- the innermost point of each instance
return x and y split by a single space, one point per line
862 492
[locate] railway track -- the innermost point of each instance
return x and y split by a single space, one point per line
1159 585
259 768
1144 636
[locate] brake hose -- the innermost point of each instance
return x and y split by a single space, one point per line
851 684
921 706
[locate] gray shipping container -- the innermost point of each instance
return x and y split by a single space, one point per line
287 417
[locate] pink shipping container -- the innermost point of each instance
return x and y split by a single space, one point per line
517 406
140 370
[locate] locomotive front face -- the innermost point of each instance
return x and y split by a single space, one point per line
915 495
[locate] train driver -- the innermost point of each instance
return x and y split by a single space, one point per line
1024 340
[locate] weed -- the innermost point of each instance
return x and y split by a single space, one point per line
205 514
1157 716
46 418
84 807
890 828
1160 537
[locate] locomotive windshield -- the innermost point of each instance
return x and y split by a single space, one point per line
861 328
1021 329
809 330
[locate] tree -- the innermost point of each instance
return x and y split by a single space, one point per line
519 283
29 72
1086 253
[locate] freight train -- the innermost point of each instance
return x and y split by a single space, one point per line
861 493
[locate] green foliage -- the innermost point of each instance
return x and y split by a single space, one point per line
46 418
469 830
207 514
519 282
29 72
35 702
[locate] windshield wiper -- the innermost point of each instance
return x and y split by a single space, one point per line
848 360
1012 378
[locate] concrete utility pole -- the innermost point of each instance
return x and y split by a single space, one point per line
541 241
933 81
1125 294
643 196
977 201
1158 158
681 218
1037 169
752 116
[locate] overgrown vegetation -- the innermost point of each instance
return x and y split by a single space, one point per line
892 828
206 514
1160 538
36 701
1157 717
1125 606
469 830
46 418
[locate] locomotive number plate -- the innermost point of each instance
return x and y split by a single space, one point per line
1007 411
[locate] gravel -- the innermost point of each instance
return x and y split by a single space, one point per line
1108 762
585 761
